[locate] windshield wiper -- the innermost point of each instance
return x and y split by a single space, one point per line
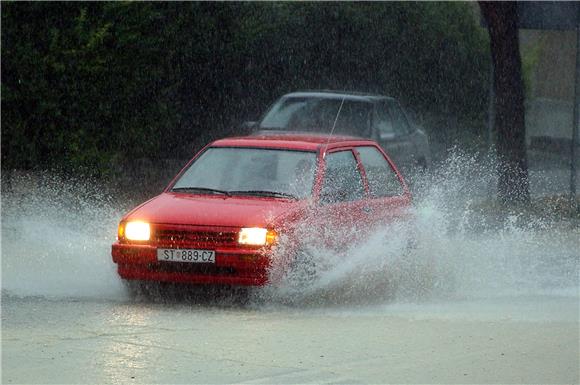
200 189
264 193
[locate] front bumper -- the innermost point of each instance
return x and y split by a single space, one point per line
245 267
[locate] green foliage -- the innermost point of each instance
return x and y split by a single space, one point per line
95 85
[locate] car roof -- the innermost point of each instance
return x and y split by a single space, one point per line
293 141
329 94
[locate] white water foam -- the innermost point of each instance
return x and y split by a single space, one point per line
464 249
57 234
56 239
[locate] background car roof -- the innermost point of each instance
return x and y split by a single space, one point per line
292 140
329 94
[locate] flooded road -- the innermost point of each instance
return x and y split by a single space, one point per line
501 307
507 340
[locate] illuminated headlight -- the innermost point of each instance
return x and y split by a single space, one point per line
256 236
137 231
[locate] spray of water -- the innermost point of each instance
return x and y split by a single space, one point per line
56 237
463 246
57 233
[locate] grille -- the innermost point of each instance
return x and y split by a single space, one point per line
194 238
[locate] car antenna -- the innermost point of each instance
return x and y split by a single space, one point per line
333 126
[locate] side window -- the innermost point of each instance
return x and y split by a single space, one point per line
400 123
383 180
342 179
383 121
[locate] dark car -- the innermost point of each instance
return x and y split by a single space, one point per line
377 117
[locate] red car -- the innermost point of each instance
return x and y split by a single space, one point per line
243 205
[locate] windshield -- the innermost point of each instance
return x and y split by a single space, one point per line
250 171
319 114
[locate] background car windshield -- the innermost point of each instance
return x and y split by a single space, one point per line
252 169
319 114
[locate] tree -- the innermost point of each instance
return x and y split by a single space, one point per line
94 86
513 183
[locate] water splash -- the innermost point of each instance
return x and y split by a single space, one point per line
465 246
57 233
56 237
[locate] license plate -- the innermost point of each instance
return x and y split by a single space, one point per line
186 255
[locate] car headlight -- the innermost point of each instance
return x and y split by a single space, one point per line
256 236
135 231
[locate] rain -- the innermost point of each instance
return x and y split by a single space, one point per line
474 286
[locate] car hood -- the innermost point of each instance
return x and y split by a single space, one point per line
212 210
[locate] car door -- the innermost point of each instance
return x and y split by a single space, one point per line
394 133
341 214
388 199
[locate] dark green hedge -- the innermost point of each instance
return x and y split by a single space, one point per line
93 85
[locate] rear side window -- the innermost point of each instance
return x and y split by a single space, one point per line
342 179
383 121
400 122
383 180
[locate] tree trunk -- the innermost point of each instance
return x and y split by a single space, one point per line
501 18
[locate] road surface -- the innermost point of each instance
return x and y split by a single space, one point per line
504 308
508 340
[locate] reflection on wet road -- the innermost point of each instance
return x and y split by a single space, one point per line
517 339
